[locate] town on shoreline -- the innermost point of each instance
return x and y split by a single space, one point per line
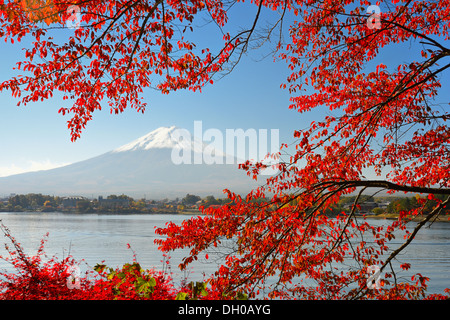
387 207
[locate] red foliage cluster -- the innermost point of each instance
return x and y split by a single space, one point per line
145 41
36 279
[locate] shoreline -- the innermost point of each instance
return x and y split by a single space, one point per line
394 216
382 216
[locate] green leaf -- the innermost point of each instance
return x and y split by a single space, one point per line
241 296
152 282
182 296
99 267
201 288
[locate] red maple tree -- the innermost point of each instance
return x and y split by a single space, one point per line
382 117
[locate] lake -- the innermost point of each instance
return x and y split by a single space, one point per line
93 238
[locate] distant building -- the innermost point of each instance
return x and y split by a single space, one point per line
367 206
383 205
152 205
197 204
113 203
71 202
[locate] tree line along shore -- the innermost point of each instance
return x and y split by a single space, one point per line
387 207
34 202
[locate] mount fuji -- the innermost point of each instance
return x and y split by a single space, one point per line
143 167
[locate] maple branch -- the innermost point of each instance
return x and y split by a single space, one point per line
385 185
420 35
433 213
350 216
141 32
236 38
130 4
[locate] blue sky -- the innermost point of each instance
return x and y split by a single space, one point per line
36 136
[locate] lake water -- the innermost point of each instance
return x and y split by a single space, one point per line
93 238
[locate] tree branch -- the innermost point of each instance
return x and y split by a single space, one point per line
433 213
386 185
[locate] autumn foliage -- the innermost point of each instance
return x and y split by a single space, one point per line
374 115
39 277
126 43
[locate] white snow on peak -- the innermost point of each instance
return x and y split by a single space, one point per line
159 138
164 137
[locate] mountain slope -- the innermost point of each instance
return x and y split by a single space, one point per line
142 167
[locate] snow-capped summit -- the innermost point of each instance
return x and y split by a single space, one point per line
153 164
164 138
159 138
